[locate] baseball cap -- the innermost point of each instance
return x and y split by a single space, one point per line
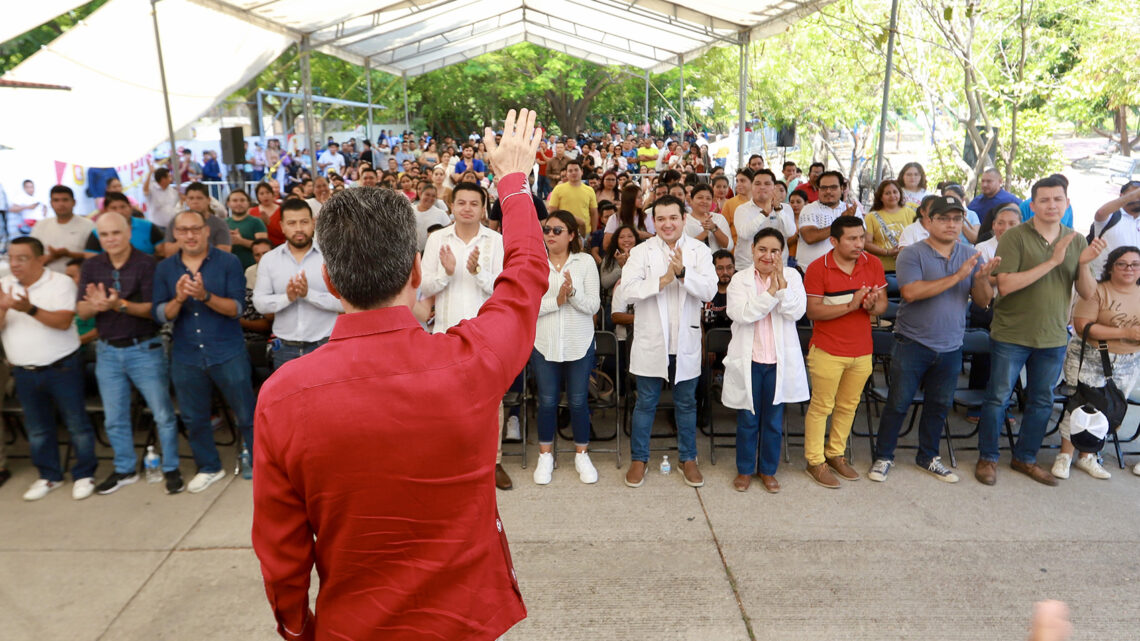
946 204
1088 428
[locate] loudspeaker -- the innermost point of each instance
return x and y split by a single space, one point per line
233 145
786 136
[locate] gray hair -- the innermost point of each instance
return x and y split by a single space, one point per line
368 237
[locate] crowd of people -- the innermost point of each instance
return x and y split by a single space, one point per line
647 237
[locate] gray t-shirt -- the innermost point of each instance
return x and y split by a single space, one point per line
938 322
219 232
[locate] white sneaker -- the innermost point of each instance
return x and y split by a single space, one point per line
1090 465
586 471
1136 469
40 489
1061 465
513 431
83 488
203 480
545 468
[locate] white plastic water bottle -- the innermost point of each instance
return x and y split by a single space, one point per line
153 465
665 467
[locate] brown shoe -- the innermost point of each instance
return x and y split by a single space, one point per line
635 476
986 472
770 484
741 482
502 479
841 467
692 474
1034 471
822 475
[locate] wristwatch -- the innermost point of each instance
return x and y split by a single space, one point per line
122 306
33 310
682 274
208 297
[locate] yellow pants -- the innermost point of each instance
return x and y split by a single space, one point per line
836 387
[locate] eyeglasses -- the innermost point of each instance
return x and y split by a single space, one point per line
822 187
557 231
1123 265
952 220
115 277
189 230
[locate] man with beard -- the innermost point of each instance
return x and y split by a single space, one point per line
290 286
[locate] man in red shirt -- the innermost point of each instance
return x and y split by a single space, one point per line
811 185
844 289
540 158
369 463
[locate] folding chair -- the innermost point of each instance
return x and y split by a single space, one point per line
606 349
716 343
520 400
975 343
1116 440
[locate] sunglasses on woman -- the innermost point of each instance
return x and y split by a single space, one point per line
557 231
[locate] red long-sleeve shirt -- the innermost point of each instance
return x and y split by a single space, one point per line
375 460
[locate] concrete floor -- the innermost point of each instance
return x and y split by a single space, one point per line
909 559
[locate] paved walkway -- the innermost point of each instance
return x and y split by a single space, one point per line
910 559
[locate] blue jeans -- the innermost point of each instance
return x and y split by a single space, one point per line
913 363
41 393
144 365
287 353
192 384
1043 370
548 376
762 428
544 187
684 410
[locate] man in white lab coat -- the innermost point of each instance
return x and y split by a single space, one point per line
667 279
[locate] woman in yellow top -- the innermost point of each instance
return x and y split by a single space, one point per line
885 223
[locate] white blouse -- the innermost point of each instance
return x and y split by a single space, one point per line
565 333
694 228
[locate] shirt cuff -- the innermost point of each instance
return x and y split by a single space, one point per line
513 184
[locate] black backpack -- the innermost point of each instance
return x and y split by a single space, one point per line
1112 220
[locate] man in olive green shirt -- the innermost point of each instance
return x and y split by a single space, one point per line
1041 261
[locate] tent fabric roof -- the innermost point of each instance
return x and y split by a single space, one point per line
115 111
413 37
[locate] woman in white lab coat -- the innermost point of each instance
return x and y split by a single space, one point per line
667 278
764 367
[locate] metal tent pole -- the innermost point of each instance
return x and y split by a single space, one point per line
174 170
647 99
368 88
743 91
261 117
407 119
681 99
886 92
307 93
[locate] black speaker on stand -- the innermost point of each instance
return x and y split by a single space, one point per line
233 155
786 136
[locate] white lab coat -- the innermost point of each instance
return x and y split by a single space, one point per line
640 283
746 306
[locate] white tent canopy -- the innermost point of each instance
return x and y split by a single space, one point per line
115 110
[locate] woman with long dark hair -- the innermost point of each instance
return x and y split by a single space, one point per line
912 178
564 344
630 214
885 224
608 189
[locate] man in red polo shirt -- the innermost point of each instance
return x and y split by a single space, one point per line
844 289
370 465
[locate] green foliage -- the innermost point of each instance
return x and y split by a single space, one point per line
1038 154
20 48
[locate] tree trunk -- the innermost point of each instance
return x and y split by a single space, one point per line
1122 130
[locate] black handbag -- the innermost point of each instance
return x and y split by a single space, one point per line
1109 400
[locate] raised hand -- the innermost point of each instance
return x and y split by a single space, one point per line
195 287
676 264
20 302
1092 251
871 299
1061 247
473 261
621 256
967 267
515 152
447 259
302 284
781 283
182 288
860 295
111 300
5 300
989 266
567 287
